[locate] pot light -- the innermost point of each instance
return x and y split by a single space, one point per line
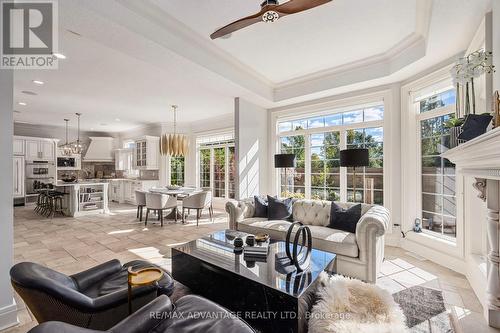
22 103
59 55
38 82
117 119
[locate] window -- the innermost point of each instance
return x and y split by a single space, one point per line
216 164
438 209
317 142
177 171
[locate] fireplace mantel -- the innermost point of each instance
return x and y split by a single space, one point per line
480 158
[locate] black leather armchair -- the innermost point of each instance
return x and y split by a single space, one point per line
96 298
160 316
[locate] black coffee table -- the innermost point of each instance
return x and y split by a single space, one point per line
261 293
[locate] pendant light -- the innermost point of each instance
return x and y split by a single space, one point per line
66 148
78 147
174 144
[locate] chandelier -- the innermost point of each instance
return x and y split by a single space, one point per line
66 148
77 147
174 144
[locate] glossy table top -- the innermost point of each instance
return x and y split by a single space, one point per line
217 249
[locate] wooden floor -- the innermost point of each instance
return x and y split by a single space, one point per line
71 245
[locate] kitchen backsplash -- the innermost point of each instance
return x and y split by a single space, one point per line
106 170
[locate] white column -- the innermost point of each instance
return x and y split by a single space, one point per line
8 311
493 231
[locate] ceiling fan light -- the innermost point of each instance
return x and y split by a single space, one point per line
270 16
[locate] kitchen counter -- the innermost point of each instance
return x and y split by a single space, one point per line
85 197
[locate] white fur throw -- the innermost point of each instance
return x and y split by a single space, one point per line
351 306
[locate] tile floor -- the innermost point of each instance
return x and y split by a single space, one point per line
71 245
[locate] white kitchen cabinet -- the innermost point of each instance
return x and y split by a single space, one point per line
40 149
124 190
18 176
32 151
116 191
18 147
147 153
47 150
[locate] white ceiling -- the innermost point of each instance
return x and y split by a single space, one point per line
133 59
337 33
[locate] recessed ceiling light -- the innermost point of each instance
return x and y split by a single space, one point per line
38 82
59 55
91 128
22 103
117 119
103 124
15 111
27 92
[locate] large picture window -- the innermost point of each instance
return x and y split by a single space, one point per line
216 165
316 143
438 198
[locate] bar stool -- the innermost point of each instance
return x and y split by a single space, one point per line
55 204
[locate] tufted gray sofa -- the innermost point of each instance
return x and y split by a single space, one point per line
359 255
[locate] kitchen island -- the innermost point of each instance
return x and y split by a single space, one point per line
84 197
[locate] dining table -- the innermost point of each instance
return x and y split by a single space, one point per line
179 193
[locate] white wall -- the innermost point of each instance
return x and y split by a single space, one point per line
8 314
251 130
496 43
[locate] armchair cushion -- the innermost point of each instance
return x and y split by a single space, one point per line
87 278
261 206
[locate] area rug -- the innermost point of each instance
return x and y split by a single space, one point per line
424 310
347 305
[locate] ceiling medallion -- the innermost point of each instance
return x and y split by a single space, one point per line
174 144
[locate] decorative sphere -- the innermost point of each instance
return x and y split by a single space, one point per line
238 242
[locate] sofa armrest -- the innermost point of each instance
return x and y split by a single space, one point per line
93 275
377 218
146 318
237 211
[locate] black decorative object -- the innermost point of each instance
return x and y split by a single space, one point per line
284 161
238 243
301 258
358 157
474 126
250 240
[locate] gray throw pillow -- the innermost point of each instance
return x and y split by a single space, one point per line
261 206
279 209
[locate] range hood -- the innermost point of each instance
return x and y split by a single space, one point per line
100 150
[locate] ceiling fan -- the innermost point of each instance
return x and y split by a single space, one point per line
270 11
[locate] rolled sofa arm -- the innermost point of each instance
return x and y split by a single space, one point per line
239 210
377 218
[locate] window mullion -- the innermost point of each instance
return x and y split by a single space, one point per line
307 161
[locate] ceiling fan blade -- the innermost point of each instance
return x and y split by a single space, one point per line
240 24
297 6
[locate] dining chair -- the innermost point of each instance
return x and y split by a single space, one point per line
159 202
198 201
140 199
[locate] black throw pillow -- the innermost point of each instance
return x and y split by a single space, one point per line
260 206
279 209
344 219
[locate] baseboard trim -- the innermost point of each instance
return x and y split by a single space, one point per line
8 315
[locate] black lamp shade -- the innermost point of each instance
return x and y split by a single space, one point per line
354 158
284 160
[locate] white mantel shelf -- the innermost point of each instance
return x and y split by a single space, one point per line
480 158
